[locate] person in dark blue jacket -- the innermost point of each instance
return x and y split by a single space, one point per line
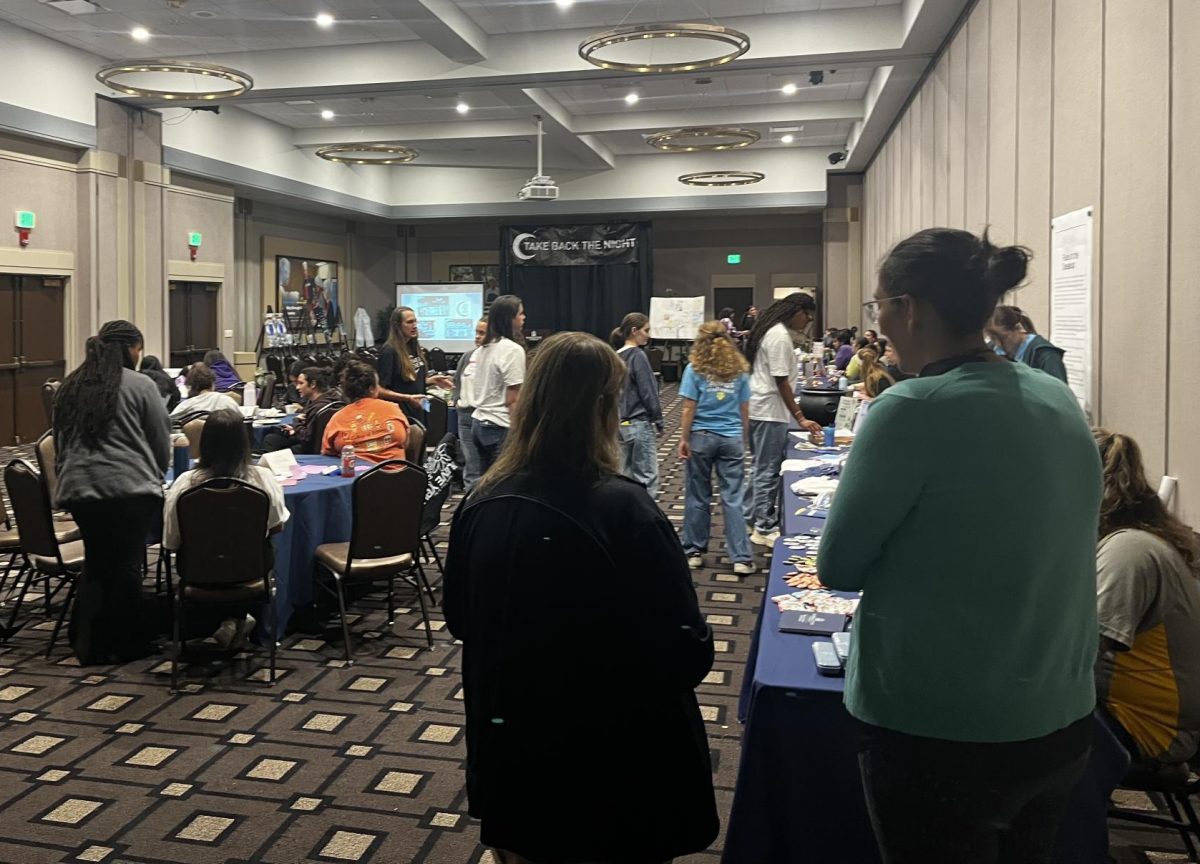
1012 330
641 411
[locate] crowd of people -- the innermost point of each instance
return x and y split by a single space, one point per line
976 675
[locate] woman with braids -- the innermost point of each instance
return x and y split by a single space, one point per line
403 366
1147 564
772 359
716 419
641 412
113 445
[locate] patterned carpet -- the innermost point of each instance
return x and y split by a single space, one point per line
332 764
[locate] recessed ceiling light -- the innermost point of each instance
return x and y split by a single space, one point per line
788 139
327 114
564 4
788 89
462 107
324 20
139 34
631 98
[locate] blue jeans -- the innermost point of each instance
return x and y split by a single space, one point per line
728 456
768 439
466 438
639 454
489 438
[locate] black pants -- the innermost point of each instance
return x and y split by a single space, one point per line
273 441
951 802
109 620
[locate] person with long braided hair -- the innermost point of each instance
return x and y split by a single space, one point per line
113 445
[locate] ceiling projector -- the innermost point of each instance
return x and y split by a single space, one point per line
541 187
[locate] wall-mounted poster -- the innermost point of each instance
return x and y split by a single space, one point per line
307 293
488 274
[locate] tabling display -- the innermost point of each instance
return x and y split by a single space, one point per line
446 312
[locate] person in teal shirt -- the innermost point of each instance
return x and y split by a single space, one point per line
966 515
1014 336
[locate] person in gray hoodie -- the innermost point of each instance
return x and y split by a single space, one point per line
113 445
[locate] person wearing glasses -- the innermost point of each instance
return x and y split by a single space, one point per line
772 357
1013 331
970 672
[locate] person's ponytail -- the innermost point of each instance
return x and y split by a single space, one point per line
87 401
1006 267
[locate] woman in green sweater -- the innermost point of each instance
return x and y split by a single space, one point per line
971 665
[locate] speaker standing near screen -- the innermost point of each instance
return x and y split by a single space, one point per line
402 366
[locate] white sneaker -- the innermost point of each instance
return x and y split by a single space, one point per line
744 569
695 561
767 539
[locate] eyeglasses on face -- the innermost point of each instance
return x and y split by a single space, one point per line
872 307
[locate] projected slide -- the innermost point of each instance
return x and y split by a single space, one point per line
446 312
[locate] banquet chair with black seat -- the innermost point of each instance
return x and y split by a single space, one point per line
436 420
1176 785
49 394
414 447
47 554
48 466
385 540
224 560
274 364
10 546
437 359
266 394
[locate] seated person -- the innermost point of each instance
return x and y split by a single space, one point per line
201 395
843 349
227 378
1148 562
891 362
225 452
314 386
293 396
854 367
375 428
152 368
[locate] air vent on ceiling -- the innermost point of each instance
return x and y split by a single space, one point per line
300 102
74 7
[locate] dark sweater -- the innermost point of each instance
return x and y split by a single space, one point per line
639 400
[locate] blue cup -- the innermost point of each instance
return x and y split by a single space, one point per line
829 436
182 460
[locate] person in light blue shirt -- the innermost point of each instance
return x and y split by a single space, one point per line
715 427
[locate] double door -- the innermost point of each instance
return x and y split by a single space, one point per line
31 352
193 314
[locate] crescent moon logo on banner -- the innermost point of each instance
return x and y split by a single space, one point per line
516 247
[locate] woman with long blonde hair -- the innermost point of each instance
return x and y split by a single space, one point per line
403 365
1147 563
875 378
546 551
715 428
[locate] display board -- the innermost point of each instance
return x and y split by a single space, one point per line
446 312
676 317
1071 287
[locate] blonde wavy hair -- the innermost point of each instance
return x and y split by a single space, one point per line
873 374
714 355
1131 502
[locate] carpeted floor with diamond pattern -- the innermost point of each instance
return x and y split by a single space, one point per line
332 764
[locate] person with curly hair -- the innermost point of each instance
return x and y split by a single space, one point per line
715 428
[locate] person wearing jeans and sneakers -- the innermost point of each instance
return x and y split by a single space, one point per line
716 419
641 411
772 401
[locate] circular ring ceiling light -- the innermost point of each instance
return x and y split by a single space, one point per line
239 82
703 139
722 178
737 42
368 154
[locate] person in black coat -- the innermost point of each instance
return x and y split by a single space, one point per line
583 640
152 368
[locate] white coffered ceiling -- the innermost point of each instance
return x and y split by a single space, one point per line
395 70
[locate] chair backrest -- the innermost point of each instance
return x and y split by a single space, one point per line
49 394
317 424
30 502
267 394
655 356
437 359
223 533
414 447
274 364
389 501
435 420
440 468
45 460
192 430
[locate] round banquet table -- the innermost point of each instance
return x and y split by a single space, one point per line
260 428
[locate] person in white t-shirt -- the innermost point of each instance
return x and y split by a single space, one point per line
772 356
201 395
498 377
464 405
225 452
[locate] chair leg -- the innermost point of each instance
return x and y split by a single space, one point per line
177 645
436 556
342 612
391 618
62 615
1194 833
12 619
424 610
1185 833
271 641
12 559
170 579
424 580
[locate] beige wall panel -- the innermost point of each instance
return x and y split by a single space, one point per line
913 168
1002 123
1034 71
1183 430
957 187
45 187
939 84
928 154
212 216
896 182
976 213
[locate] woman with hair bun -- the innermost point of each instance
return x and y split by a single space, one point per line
971 666
1013 331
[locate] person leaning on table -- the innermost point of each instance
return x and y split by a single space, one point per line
971 661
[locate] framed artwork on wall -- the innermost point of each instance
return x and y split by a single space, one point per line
306 292
488 274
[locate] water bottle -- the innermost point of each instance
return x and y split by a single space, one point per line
843 383
347 461
829 435
250 395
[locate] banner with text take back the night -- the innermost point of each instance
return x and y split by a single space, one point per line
574 245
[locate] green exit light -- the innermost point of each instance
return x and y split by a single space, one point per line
735 258
26 219
194 238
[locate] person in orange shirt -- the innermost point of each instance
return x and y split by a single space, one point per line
375 428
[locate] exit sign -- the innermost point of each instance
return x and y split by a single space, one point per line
25 219
734 258
194 238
